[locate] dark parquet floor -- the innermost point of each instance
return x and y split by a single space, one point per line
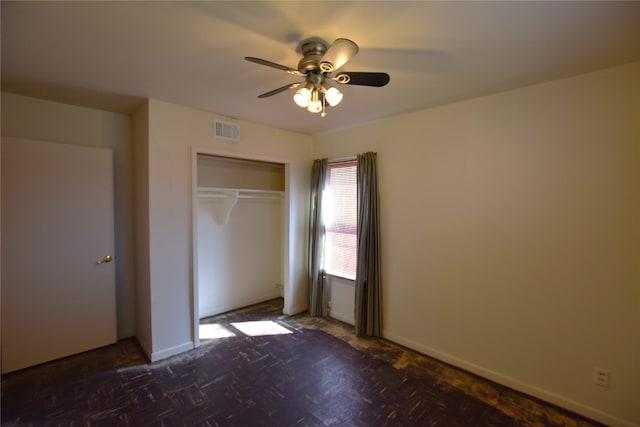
290 371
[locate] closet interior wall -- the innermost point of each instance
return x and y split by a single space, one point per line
239 237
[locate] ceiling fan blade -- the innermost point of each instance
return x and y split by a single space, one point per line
280 89
362 79
340 51
273 65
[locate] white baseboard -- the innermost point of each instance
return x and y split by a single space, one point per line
513 383
171 351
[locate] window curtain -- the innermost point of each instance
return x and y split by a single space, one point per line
317 294
368 316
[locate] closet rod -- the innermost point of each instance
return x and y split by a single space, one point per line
240 190
243 196
240 193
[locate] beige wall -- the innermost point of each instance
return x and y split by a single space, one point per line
140 141
511 235
31 118
240 259
510 226
173 131
222 172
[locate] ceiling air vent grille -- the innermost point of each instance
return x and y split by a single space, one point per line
227 130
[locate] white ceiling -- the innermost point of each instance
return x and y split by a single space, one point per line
110 55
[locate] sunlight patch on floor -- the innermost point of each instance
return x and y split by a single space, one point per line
214 331
261 327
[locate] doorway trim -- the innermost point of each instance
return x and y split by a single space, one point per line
287 272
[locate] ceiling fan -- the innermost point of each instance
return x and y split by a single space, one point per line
319 61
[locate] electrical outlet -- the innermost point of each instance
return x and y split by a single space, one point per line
601 377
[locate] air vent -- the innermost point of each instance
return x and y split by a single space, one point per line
227 130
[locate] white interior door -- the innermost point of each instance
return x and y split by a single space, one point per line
57 224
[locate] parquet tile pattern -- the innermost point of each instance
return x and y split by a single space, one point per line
316 375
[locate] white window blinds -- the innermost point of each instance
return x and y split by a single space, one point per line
340 207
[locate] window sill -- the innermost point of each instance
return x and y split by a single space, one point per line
337 276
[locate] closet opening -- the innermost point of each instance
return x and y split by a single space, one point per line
240 230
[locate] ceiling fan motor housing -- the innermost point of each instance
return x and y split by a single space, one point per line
312 50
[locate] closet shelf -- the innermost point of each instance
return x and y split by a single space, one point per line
230 197
240 193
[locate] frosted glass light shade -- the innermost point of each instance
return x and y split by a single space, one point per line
315 106
302 97
333 96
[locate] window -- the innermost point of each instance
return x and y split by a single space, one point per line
341 216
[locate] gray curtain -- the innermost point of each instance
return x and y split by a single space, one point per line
317 297
368 316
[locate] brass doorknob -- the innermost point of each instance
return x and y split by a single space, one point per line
107 258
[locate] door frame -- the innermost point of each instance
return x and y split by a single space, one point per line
287 271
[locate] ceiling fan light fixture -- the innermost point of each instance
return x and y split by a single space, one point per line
318 61
302 97
315 104
333 96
